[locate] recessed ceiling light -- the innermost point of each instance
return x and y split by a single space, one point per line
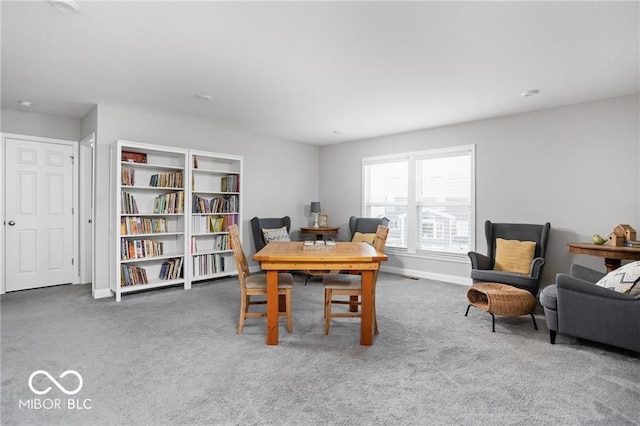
66 6
204 97
27 104
530 93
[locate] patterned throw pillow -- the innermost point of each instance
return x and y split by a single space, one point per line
623 280
276 234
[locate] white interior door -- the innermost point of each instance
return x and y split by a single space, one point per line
38 214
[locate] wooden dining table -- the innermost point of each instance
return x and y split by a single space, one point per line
281 256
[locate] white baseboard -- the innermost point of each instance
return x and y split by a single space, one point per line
454 279
101 293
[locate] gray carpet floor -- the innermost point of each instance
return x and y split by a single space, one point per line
173 357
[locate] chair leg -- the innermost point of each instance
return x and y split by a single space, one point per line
493 322
552 337
353 307
328 294
534 321
466 313
243 309
287 297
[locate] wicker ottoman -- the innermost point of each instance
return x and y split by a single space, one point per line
501 299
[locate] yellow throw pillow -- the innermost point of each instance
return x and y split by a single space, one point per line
514 256
359 237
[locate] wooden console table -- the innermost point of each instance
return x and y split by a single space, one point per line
613 255
320 232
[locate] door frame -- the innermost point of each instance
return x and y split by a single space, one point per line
75 201
87 207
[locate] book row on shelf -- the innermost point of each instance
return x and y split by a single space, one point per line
167 180
171 269
208 264
208 224
220 242
171 202
230 183
132 275
133 225
164 180
227 204
129 205
139 249
128 176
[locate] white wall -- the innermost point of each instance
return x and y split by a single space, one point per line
280 178
32 123
575 167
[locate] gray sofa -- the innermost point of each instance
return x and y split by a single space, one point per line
575 306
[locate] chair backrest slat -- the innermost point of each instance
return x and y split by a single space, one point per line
238 254
379 243
381 238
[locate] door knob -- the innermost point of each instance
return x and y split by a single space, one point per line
11 223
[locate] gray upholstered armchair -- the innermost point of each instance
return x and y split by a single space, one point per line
575 306
260 223
366 225
482 266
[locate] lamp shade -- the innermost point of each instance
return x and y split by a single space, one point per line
315 207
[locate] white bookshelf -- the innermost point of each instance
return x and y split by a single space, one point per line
159 233
216 202
154 236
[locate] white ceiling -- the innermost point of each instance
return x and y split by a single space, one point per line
301 70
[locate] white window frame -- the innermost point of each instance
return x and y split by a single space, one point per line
411 250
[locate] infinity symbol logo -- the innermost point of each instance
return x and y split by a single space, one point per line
55 382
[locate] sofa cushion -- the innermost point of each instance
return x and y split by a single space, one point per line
623 280
360 237
276 234
514 256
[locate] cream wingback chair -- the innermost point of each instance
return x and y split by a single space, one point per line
256 285
351 285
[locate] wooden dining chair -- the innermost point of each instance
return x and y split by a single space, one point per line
256 285
351 285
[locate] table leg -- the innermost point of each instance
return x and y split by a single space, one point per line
272 307
612 264
366 321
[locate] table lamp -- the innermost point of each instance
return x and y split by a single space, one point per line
315 209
